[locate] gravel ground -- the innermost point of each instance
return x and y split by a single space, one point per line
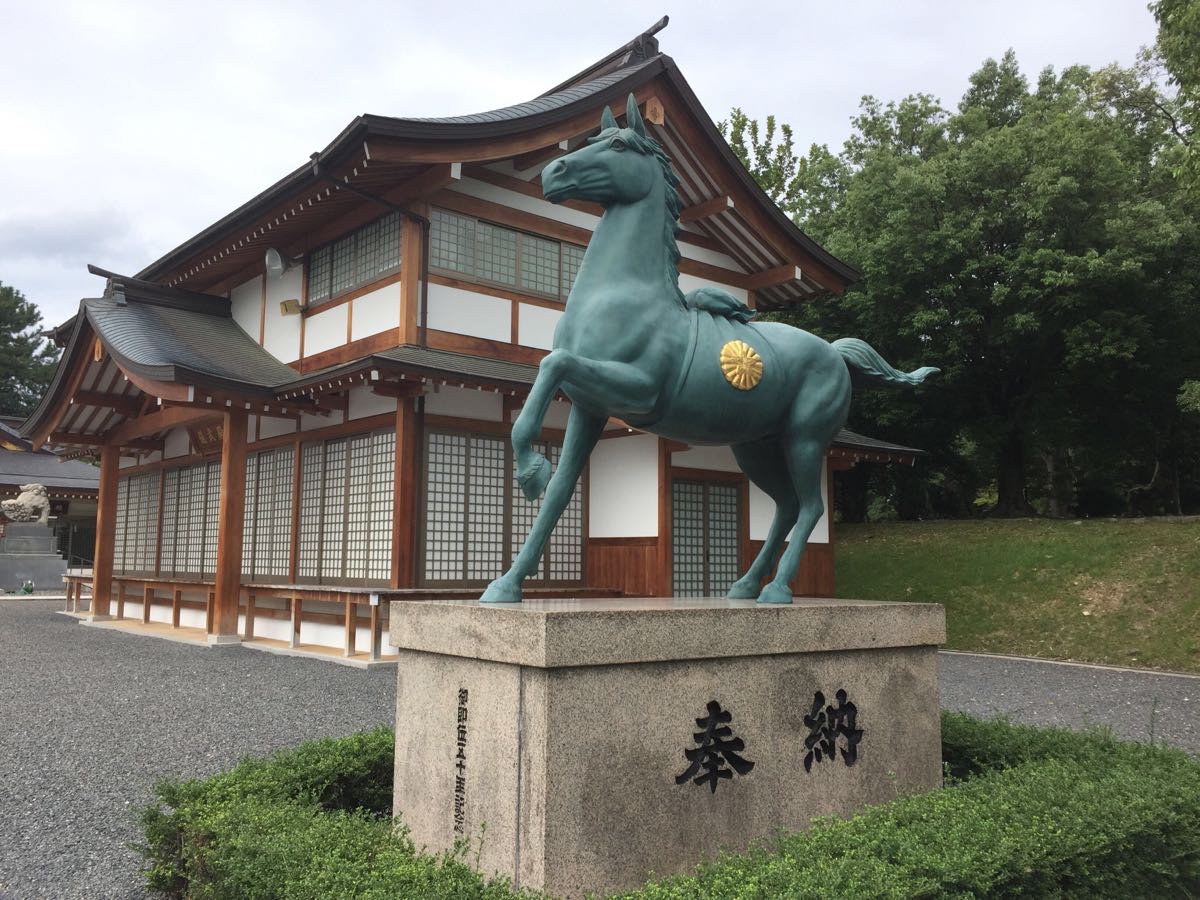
91 718
1136 705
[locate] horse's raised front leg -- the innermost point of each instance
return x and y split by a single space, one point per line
583 431
625 386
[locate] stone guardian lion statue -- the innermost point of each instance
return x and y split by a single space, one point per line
31 505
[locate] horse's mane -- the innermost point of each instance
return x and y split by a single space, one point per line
648 146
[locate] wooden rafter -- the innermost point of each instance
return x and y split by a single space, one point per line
124 404
708 208
772 277
99 440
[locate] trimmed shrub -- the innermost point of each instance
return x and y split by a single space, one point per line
1043 813
1030 812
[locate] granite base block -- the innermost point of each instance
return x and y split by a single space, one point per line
560 738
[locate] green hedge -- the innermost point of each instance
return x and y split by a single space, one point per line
1030 813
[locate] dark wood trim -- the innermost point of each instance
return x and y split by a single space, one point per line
491 290
106 524
462 343
664 518
341 429
693 474
771 277
705 209
231 512
354 293
336 356
163 420
624 541
125 404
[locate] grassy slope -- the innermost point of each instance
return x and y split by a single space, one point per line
1116 591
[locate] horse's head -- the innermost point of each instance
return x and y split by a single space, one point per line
618 165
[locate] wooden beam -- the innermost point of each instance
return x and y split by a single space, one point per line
528 160
771 277
653 111
106 530
351 614
231 513
98 440
706 209
297 616
398 389
125 405
163 420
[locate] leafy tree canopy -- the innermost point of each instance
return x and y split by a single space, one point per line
1032 242
26 359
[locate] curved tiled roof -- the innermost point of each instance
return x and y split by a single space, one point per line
173 344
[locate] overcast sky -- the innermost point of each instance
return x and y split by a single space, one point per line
126 126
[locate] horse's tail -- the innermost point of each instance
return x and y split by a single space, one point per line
862 356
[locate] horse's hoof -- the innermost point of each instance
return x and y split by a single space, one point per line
534 479
775 593
746 588
502 591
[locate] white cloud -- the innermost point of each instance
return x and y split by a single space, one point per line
133 124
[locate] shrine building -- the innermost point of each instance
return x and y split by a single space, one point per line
302 412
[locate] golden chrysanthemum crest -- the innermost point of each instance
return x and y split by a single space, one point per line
741 364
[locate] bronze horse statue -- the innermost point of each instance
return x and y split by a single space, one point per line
630 345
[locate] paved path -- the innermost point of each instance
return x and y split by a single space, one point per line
90 718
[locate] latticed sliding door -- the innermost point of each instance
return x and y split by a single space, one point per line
476 519
705 537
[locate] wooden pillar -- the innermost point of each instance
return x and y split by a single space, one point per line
228 587
351 628
120 599
376 634
663 587
176 599
404 508
297 615
147 602
250 618
106 530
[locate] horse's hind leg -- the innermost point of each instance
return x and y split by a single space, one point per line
765 464
804 458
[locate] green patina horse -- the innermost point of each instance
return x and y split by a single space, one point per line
630 345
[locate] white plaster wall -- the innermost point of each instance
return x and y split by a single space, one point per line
466 403
465 312
312 423
762 510
375 312
557 414
689 283
623 487
272 427
281 336
246 303
719 459
325 330
365 402
535 326
178 443
535 205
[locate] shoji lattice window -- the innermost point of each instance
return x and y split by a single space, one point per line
464 246
136 541
119 525
476 517
190 520
705 537
212 473
266 547
572 259
355 259
346 494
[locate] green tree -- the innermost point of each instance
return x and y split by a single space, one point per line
1030 243
28 359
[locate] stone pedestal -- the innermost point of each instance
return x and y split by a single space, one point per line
28 553
564 734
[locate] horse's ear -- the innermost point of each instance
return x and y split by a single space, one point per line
607 120
634 117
